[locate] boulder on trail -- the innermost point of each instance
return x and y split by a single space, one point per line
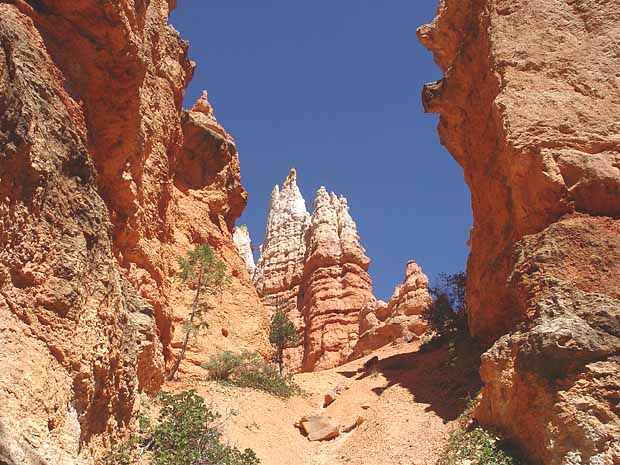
319 427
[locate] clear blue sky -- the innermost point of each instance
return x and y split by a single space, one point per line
333 89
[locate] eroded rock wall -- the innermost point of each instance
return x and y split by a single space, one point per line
528 104
104 182
76 342
207 198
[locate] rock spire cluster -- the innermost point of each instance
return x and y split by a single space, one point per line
402 319
314 267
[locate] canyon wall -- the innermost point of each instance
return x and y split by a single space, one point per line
528 106
314 268
105 181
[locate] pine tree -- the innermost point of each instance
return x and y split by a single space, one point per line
282 335
204 272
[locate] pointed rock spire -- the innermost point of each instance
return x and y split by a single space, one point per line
241 238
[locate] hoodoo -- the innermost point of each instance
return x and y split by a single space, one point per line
314 267
402 319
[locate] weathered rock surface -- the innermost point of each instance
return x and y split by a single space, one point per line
315 268
241 238
402 319
528 104
76 342
104 182
335 284
208 198
280 266
319 428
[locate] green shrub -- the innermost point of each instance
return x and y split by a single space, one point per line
223 365
474 444
184 434
448 312
248 369
121 454
477 445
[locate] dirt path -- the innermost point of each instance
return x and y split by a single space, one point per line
408 401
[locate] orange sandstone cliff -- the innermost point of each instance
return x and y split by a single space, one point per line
104 182
529 103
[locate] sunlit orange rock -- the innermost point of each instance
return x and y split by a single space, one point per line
402 319
528 107
104 182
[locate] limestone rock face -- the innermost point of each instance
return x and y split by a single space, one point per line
104 182
401 319
314 267
528 104
241 238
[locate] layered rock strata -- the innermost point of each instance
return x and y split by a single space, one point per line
314 267
402 319
528 104
104 182
335 284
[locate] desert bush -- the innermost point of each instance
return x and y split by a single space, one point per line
473 444
248 369
476 446
185 433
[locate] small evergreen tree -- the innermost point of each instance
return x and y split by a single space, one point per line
282 335
204 272
449 309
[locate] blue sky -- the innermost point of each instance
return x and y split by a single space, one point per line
333 89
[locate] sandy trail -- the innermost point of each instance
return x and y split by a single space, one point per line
408 401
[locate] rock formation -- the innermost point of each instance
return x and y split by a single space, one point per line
315 268
335 283
208 198
104 182
241 238
280 266
399 320
528 107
